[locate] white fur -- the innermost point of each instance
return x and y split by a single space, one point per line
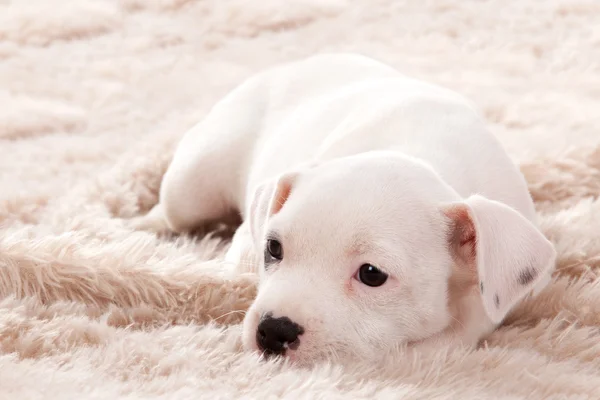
350 162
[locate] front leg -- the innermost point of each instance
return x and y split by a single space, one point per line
241 256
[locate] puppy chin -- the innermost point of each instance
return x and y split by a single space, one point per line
295 358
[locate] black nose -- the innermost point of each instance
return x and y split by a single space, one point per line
275 335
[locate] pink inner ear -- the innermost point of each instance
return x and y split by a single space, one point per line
282 192
463 234
468 239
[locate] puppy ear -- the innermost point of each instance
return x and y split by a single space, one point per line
267 200
503 249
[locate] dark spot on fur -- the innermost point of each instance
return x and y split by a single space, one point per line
481 287
497 300
526 276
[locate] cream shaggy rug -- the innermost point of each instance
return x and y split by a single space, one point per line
94 95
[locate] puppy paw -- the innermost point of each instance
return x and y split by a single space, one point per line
154 221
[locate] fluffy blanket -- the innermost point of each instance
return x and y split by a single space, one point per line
95 94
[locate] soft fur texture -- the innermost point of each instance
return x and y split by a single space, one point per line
94 96
341 162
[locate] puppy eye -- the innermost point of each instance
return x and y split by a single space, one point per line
274 250
371 275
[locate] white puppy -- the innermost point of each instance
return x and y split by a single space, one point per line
377 209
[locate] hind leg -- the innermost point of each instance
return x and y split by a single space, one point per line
207 177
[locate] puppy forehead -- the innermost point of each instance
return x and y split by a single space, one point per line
325 232
359 208
359 244
361 211
342 234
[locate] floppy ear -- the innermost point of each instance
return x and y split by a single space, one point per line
508 254
267 200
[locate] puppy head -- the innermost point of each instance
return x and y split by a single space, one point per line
359 253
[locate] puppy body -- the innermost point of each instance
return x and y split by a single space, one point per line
347 162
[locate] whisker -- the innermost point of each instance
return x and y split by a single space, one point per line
459 323
229 313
